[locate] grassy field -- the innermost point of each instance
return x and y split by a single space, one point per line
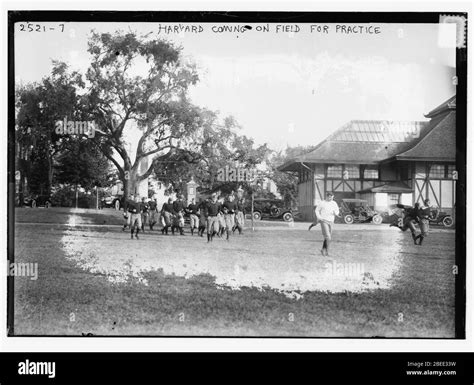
69 300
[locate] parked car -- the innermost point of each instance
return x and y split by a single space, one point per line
37 201
269 208
115 202
358 211
442 218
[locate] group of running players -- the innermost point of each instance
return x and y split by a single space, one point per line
222 216
214 216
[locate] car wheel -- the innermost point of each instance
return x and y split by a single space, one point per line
117 204
447 221
287 217
33 203
47 204
349 219
377 219
257 216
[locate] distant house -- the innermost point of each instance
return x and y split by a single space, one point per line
383 162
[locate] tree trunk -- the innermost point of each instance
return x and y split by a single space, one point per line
129 186
50 173
76 195
22 188
130 181
131 178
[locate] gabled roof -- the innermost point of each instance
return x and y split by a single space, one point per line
438 145
445 107
362 142
375 141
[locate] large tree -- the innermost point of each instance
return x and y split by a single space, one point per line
81 163
217 143
38 107
137 82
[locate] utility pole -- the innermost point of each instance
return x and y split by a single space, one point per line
253 226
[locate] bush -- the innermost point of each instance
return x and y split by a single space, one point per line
66 197
63 197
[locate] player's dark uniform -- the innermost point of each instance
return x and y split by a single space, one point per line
126 215
202 217
144 209
239 217
152 218
167 214
213 209
193 211
133 209
178 208
229 208
410 218
423 215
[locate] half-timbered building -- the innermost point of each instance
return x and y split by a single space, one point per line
383 162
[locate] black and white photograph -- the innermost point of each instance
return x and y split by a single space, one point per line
192 175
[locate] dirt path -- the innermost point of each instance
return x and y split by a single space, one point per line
287 261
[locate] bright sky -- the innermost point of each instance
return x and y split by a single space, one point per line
285 88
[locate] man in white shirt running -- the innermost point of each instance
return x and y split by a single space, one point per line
325 213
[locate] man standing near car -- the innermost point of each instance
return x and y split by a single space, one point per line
326 212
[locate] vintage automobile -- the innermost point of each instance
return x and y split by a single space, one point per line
37 201
115 202
270 209
440 218
358 211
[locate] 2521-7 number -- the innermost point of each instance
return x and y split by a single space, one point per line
32 27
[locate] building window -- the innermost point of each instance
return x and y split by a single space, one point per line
371 172
351 172
393 199
437 171
304 176
334 171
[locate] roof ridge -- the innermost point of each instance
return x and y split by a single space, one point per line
427 135
446 105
